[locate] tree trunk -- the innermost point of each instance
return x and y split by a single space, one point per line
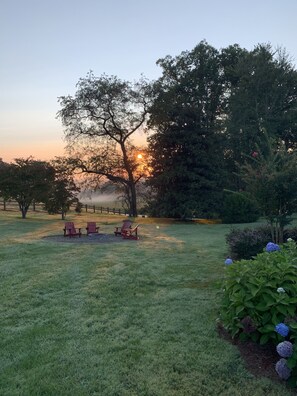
281 234
24 209
133 200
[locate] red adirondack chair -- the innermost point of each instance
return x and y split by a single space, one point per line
70 230
92 228
126 225
130 233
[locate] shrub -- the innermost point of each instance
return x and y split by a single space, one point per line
247 243
260 294
239 208
290 233
78 207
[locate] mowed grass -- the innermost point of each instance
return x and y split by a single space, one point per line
131 318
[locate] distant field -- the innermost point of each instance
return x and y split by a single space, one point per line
105 200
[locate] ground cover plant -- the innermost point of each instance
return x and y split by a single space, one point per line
134 318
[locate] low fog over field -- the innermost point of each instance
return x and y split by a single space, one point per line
91 198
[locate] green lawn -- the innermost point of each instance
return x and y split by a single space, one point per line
132 318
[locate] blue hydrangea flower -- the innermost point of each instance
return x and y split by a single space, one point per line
228 261
282 369
282 329
285 349
272 247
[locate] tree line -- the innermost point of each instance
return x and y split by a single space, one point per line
28 181
205 118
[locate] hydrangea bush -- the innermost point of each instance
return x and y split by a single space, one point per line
261 293
260 303
286 366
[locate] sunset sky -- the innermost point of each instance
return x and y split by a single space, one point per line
47 45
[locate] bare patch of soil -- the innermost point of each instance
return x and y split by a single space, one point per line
92 238
259 360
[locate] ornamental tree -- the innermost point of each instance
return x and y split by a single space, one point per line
271 178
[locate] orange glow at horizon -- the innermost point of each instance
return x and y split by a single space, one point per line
46 151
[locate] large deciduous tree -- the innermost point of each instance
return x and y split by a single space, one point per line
26 181
262 93
100 122
186 147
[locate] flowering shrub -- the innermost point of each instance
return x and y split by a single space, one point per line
282 329
260 302
285 349
286 367
260 294
272 247
281 290
282 369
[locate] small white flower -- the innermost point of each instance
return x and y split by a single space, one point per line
289 240
281 290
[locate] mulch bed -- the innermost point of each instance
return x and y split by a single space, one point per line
92 238
259 359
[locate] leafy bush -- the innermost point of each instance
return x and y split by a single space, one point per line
290 233
247 243
261 293
239 208
78 207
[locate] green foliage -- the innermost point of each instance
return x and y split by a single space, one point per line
248 242
62 195
252 304
78 207
208 114
26 181
271 179
239 208
262 94
185 148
